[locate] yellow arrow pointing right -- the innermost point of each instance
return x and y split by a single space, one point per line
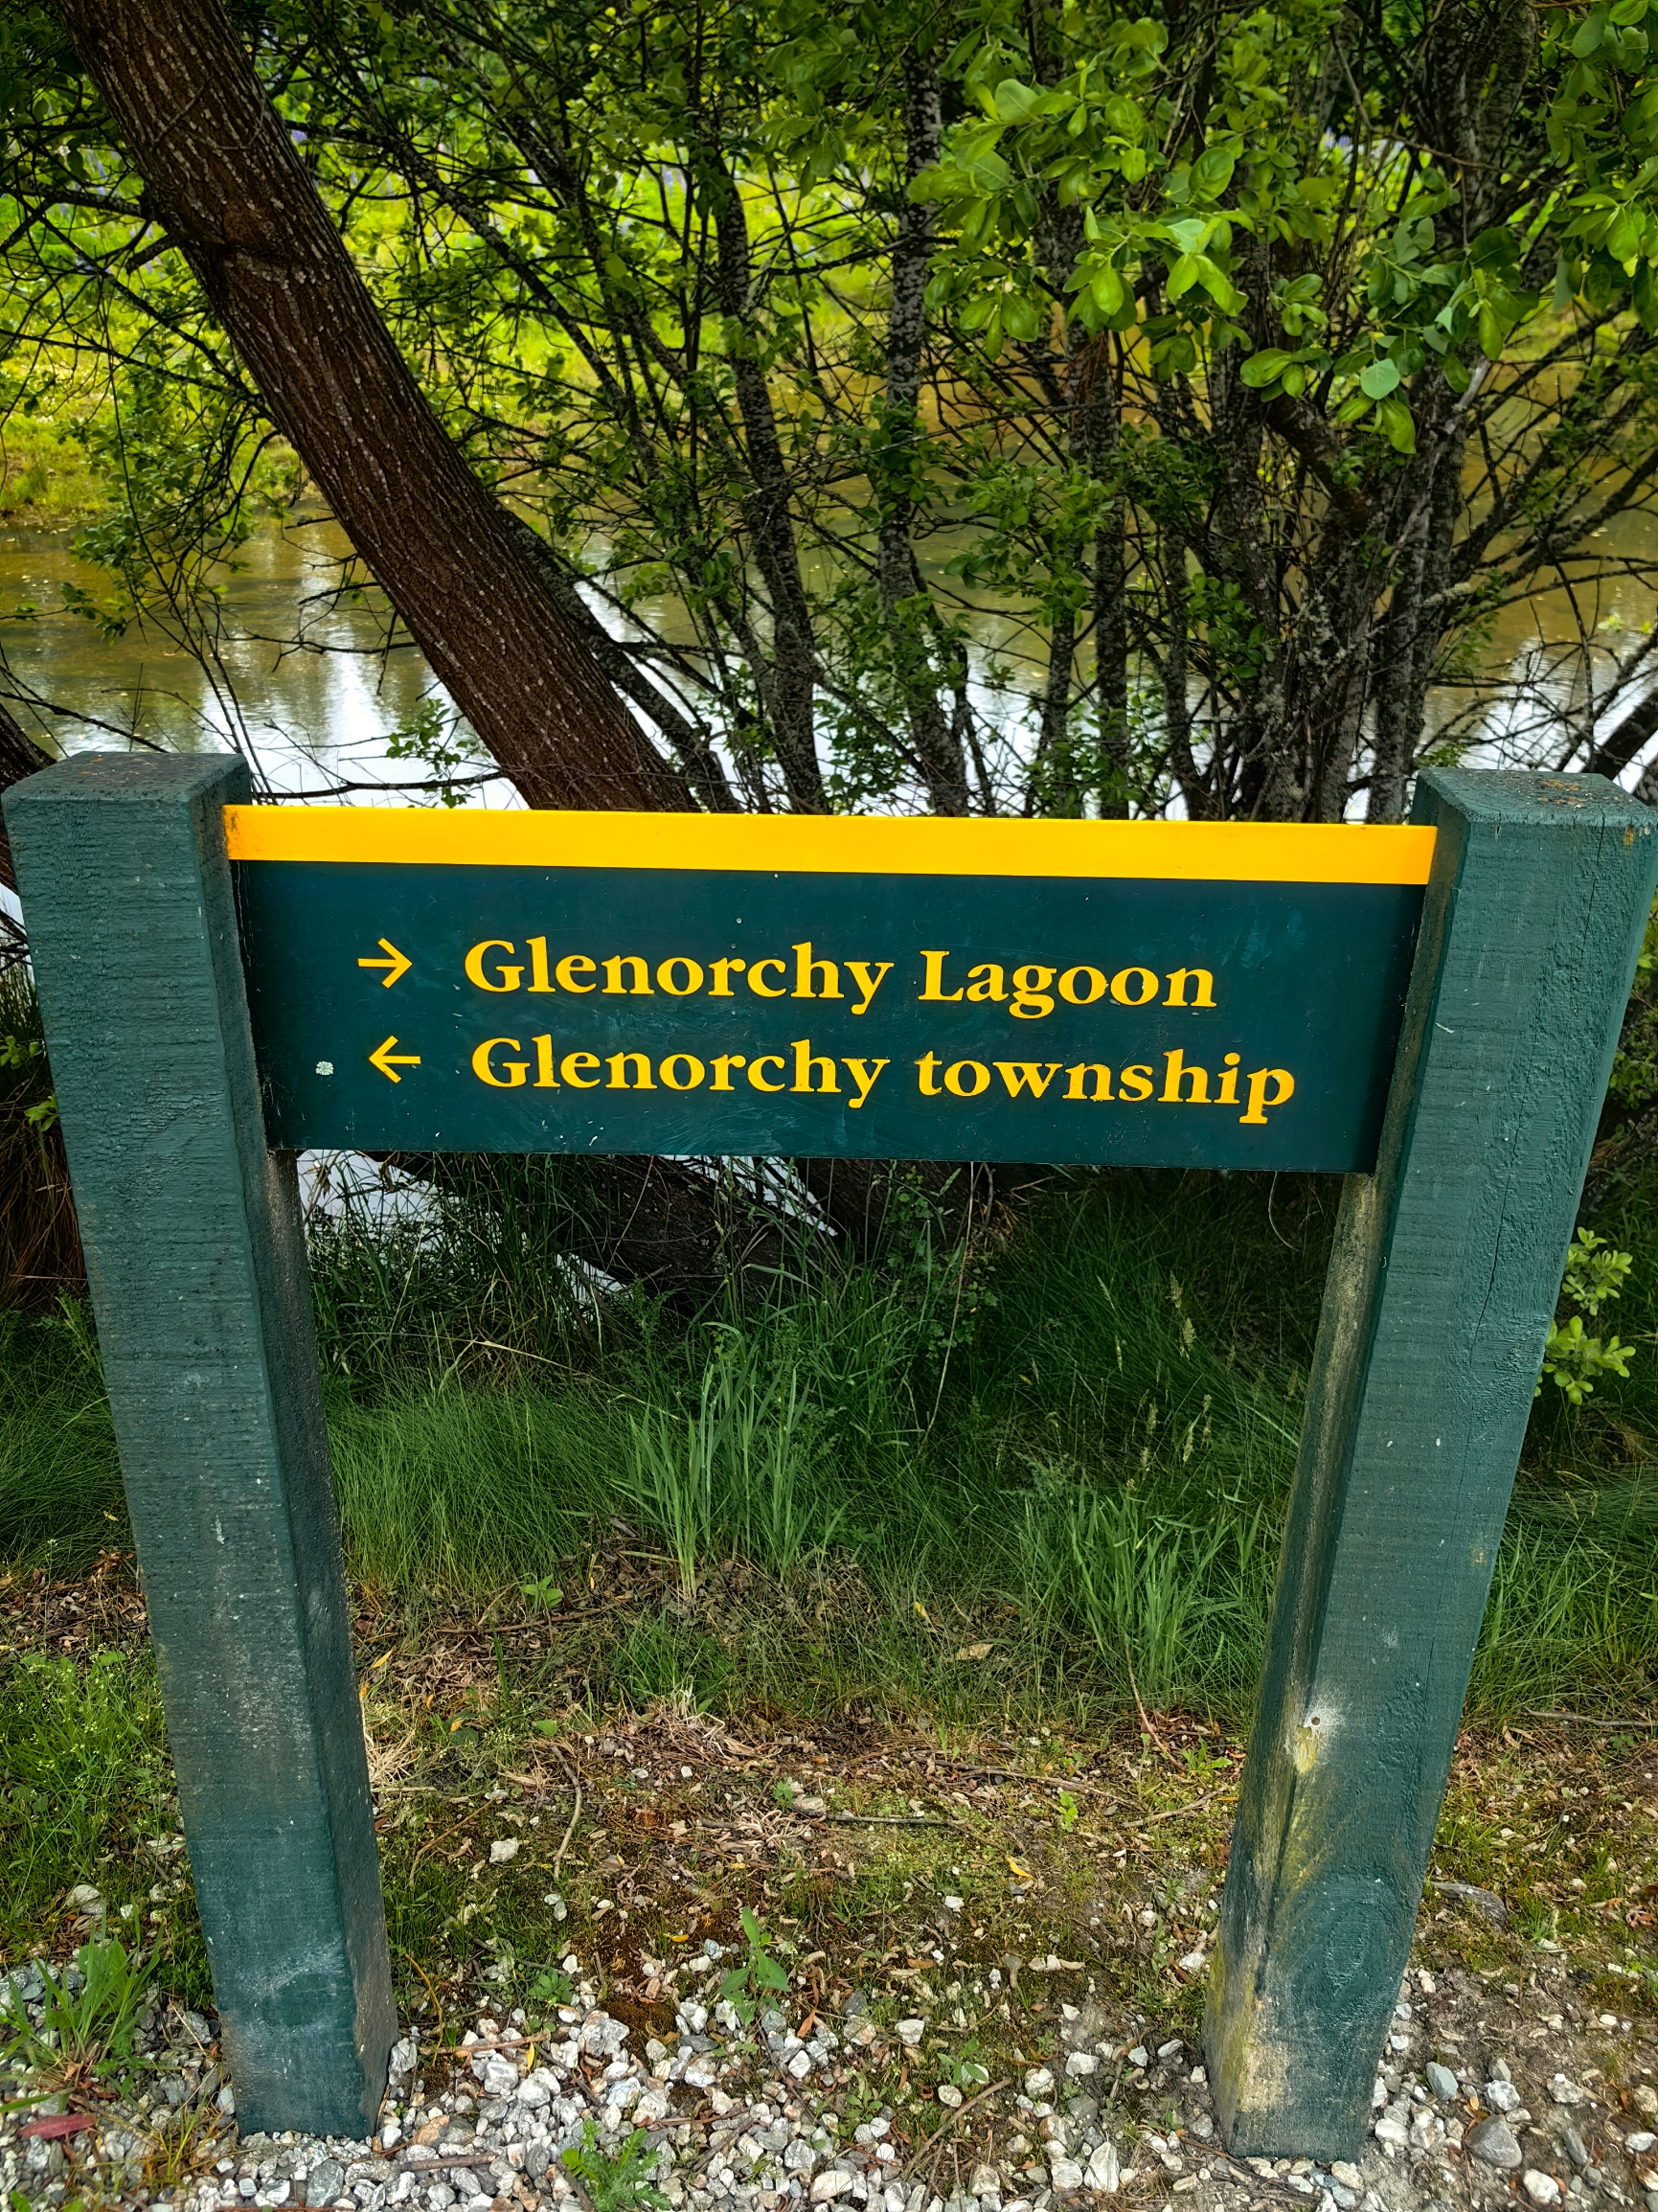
389 1061
400 964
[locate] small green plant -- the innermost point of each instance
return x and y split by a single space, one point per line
545 1594
965 2067
552 1988
20 1052
615 2180
754 1977
783 1794
1572 1358
84 2031
1200 1762
1067 1810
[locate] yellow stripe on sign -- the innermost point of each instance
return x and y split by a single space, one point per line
834 844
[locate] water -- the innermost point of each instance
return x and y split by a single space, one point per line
303 680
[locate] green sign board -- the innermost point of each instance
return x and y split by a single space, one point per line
1167 994
1432 1008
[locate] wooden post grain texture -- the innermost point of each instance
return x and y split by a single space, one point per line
195 1257
1443 1282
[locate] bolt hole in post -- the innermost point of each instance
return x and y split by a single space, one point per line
1429 1011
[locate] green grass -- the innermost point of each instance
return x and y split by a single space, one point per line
88 1797
1073 1445
60 1480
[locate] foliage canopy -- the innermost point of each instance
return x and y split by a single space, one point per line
1057 407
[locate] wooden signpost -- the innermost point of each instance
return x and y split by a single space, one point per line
1429 1011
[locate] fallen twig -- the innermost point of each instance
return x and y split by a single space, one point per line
429 2163
1174 1811
1584 1721
1260 2184
939 2133
575 1785
1145 1721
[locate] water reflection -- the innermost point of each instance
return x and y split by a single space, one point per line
300 678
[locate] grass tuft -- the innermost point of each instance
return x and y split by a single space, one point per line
1049 1470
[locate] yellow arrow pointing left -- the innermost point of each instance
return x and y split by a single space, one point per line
399 963
389 1061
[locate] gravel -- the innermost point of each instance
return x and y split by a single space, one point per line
1513 2104
1493 2143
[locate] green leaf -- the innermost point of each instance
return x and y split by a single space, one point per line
1590 33
1183 275
1108 290
1264 367
975 161
1398 425
1495 247
1014 100
1626 233
1379 379
1212 173
1220 286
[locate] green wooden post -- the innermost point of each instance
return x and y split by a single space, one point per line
1441 1285
195 1255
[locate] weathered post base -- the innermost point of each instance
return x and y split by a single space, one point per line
1441 1285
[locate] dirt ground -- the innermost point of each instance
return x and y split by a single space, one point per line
1025 1892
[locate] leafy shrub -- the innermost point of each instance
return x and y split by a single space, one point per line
1572 1358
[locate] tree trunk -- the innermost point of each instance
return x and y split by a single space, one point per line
909 615
1424 509
1110 580
788 683
222 172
